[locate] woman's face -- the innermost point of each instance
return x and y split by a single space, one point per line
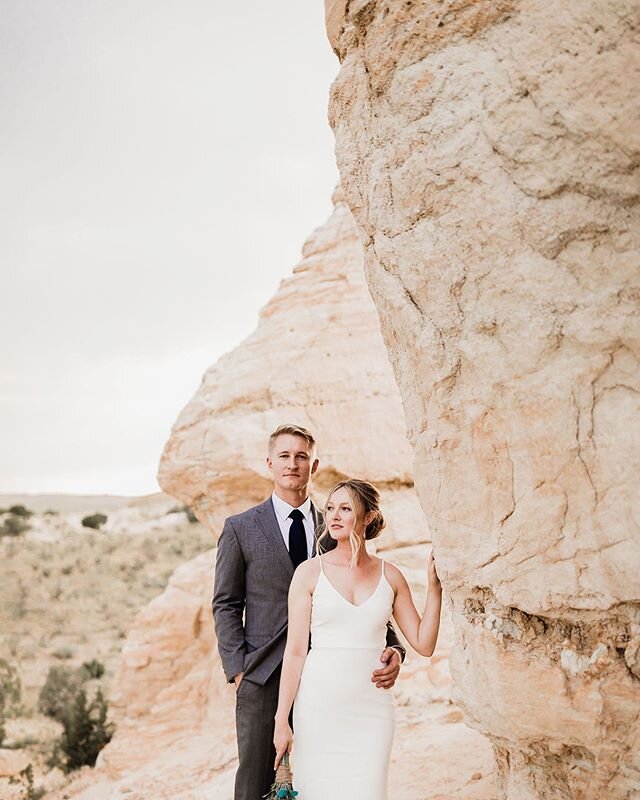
340 515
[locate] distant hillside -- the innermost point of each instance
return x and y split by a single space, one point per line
66 503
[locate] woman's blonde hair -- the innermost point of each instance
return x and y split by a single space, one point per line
366 500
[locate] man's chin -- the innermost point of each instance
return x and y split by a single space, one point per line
294 482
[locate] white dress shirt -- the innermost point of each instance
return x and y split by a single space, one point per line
283 509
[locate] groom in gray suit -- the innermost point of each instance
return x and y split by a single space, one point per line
258 552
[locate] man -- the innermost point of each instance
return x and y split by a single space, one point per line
258 552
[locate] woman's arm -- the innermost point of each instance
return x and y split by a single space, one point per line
295 653
420 632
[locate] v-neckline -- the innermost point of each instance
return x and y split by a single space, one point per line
348 602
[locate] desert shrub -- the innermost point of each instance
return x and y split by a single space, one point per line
190 515
183 510
10 689
92 669
59 690
95 521
25 780
10 692
13 525
20 511
63 653
86 732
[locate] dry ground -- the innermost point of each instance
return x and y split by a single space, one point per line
68 594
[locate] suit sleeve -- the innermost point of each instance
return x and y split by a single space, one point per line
393 641
229 597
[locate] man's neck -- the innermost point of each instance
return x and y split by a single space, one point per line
295 499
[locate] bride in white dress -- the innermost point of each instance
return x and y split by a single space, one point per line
344 598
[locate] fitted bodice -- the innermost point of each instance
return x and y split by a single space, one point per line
337 623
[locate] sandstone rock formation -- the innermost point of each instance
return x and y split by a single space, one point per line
317 359
174 711
489 152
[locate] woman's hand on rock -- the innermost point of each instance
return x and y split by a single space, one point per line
434 580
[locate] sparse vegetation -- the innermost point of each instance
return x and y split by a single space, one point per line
95 521
20 511
14 525
10 692
25 780
59 690
74 598
86 732
187 510
10 689
94 670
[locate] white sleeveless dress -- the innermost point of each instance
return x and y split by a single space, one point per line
343 725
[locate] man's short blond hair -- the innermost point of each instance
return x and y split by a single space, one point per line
293 430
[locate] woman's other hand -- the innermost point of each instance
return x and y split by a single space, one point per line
432 572
282 740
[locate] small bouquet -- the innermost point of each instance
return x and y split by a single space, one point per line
282 788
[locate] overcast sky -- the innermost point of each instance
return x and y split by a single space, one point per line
161 164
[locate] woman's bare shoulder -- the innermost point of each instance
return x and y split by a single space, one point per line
306 574
394 574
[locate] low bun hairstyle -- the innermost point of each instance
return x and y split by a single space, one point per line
375 527
366 499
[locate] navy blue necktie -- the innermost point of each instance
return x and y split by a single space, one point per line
297 538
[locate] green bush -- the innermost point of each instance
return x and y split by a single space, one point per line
190 514
59 690
86 732
95 521
14 525
10 693
20 511
25 780
92 669
10 689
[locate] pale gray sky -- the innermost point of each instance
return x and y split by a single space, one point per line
161 163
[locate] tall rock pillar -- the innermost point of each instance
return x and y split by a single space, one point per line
489 152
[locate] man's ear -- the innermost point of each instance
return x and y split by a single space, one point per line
314 466
269 463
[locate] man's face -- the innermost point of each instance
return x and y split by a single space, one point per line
291 462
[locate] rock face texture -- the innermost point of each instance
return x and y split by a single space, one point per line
316 359
489 152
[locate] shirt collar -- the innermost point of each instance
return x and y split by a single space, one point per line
283 509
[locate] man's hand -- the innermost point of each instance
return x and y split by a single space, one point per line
238 680
386 676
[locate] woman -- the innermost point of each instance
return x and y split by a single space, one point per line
344 598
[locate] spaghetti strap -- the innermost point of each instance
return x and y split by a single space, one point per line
382 571
321 567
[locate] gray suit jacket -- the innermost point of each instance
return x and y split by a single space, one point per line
253 573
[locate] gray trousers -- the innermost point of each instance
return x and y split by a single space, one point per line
255 711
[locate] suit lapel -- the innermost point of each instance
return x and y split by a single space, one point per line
268 523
